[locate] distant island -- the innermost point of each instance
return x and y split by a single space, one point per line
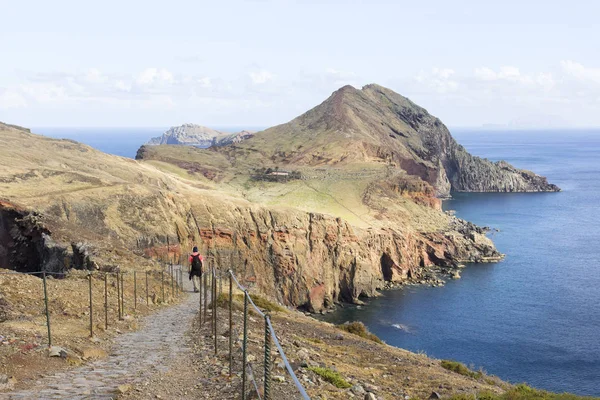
199 136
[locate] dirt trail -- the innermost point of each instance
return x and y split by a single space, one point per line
134 357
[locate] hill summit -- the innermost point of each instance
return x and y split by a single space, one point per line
377 125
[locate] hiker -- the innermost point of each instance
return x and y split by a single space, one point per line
196 268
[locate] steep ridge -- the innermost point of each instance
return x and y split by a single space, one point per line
377 125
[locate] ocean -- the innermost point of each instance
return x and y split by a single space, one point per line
534 317
123 142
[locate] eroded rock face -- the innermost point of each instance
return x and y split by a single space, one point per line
199 136
314 260
188 134
26 244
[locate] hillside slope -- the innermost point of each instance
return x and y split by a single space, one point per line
67 205
377 125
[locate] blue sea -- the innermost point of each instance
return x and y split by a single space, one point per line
123 142
534 317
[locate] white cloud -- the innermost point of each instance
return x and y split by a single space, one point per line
11 99
154 76
580 72
505 73
439 80
45 92
93 75
510 74
260 77
545 80
122 86
489 93
205 82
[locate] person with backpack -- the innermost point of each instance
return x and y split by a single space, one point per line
196 262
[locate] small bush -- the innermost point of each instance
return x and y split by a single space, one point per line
265 304
331 376
461 369
522 392
359 329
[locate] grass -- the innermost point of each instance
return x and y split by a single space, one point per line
521 392
331 376
359 329
461 369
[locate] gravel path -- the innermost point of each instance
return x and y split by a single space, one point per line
134 357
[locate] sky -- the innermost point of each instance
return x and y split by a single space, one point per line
259 63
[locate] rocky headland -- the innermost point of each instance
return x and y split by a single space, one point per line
198 136
363 213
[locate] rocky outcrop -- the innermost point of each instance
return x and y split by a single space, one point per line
376 124
234 138
199 136
314 260
188 134
26 244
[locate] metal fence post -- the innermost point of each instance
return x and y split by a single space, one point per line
215 309
91 307
119 296
172 282
267 363
205 278
47 312
245 345
147 294
162 284
123 294
105 301
212 304
200 299
230 324
134 290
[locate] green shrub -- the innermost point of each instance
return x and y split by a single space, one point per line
522 392
461 369
359 329
463 396
331 376
265 304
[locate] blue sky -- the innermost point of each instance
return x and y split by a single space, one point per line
259 63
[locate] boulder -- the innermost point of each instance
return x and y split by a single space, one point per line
56 351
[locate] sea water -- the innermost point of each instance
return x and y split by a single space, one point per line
534 317
123 142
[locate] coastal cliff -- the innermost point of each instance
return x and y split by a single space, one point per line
377 125
360 212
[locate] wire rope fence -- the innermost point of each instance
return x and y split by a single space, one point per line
102 296
212 282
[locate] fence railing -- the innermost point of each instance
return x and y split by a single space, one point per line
99 282
171 279
270 337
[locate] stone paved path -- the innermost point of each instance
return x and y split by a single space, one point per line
135 356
